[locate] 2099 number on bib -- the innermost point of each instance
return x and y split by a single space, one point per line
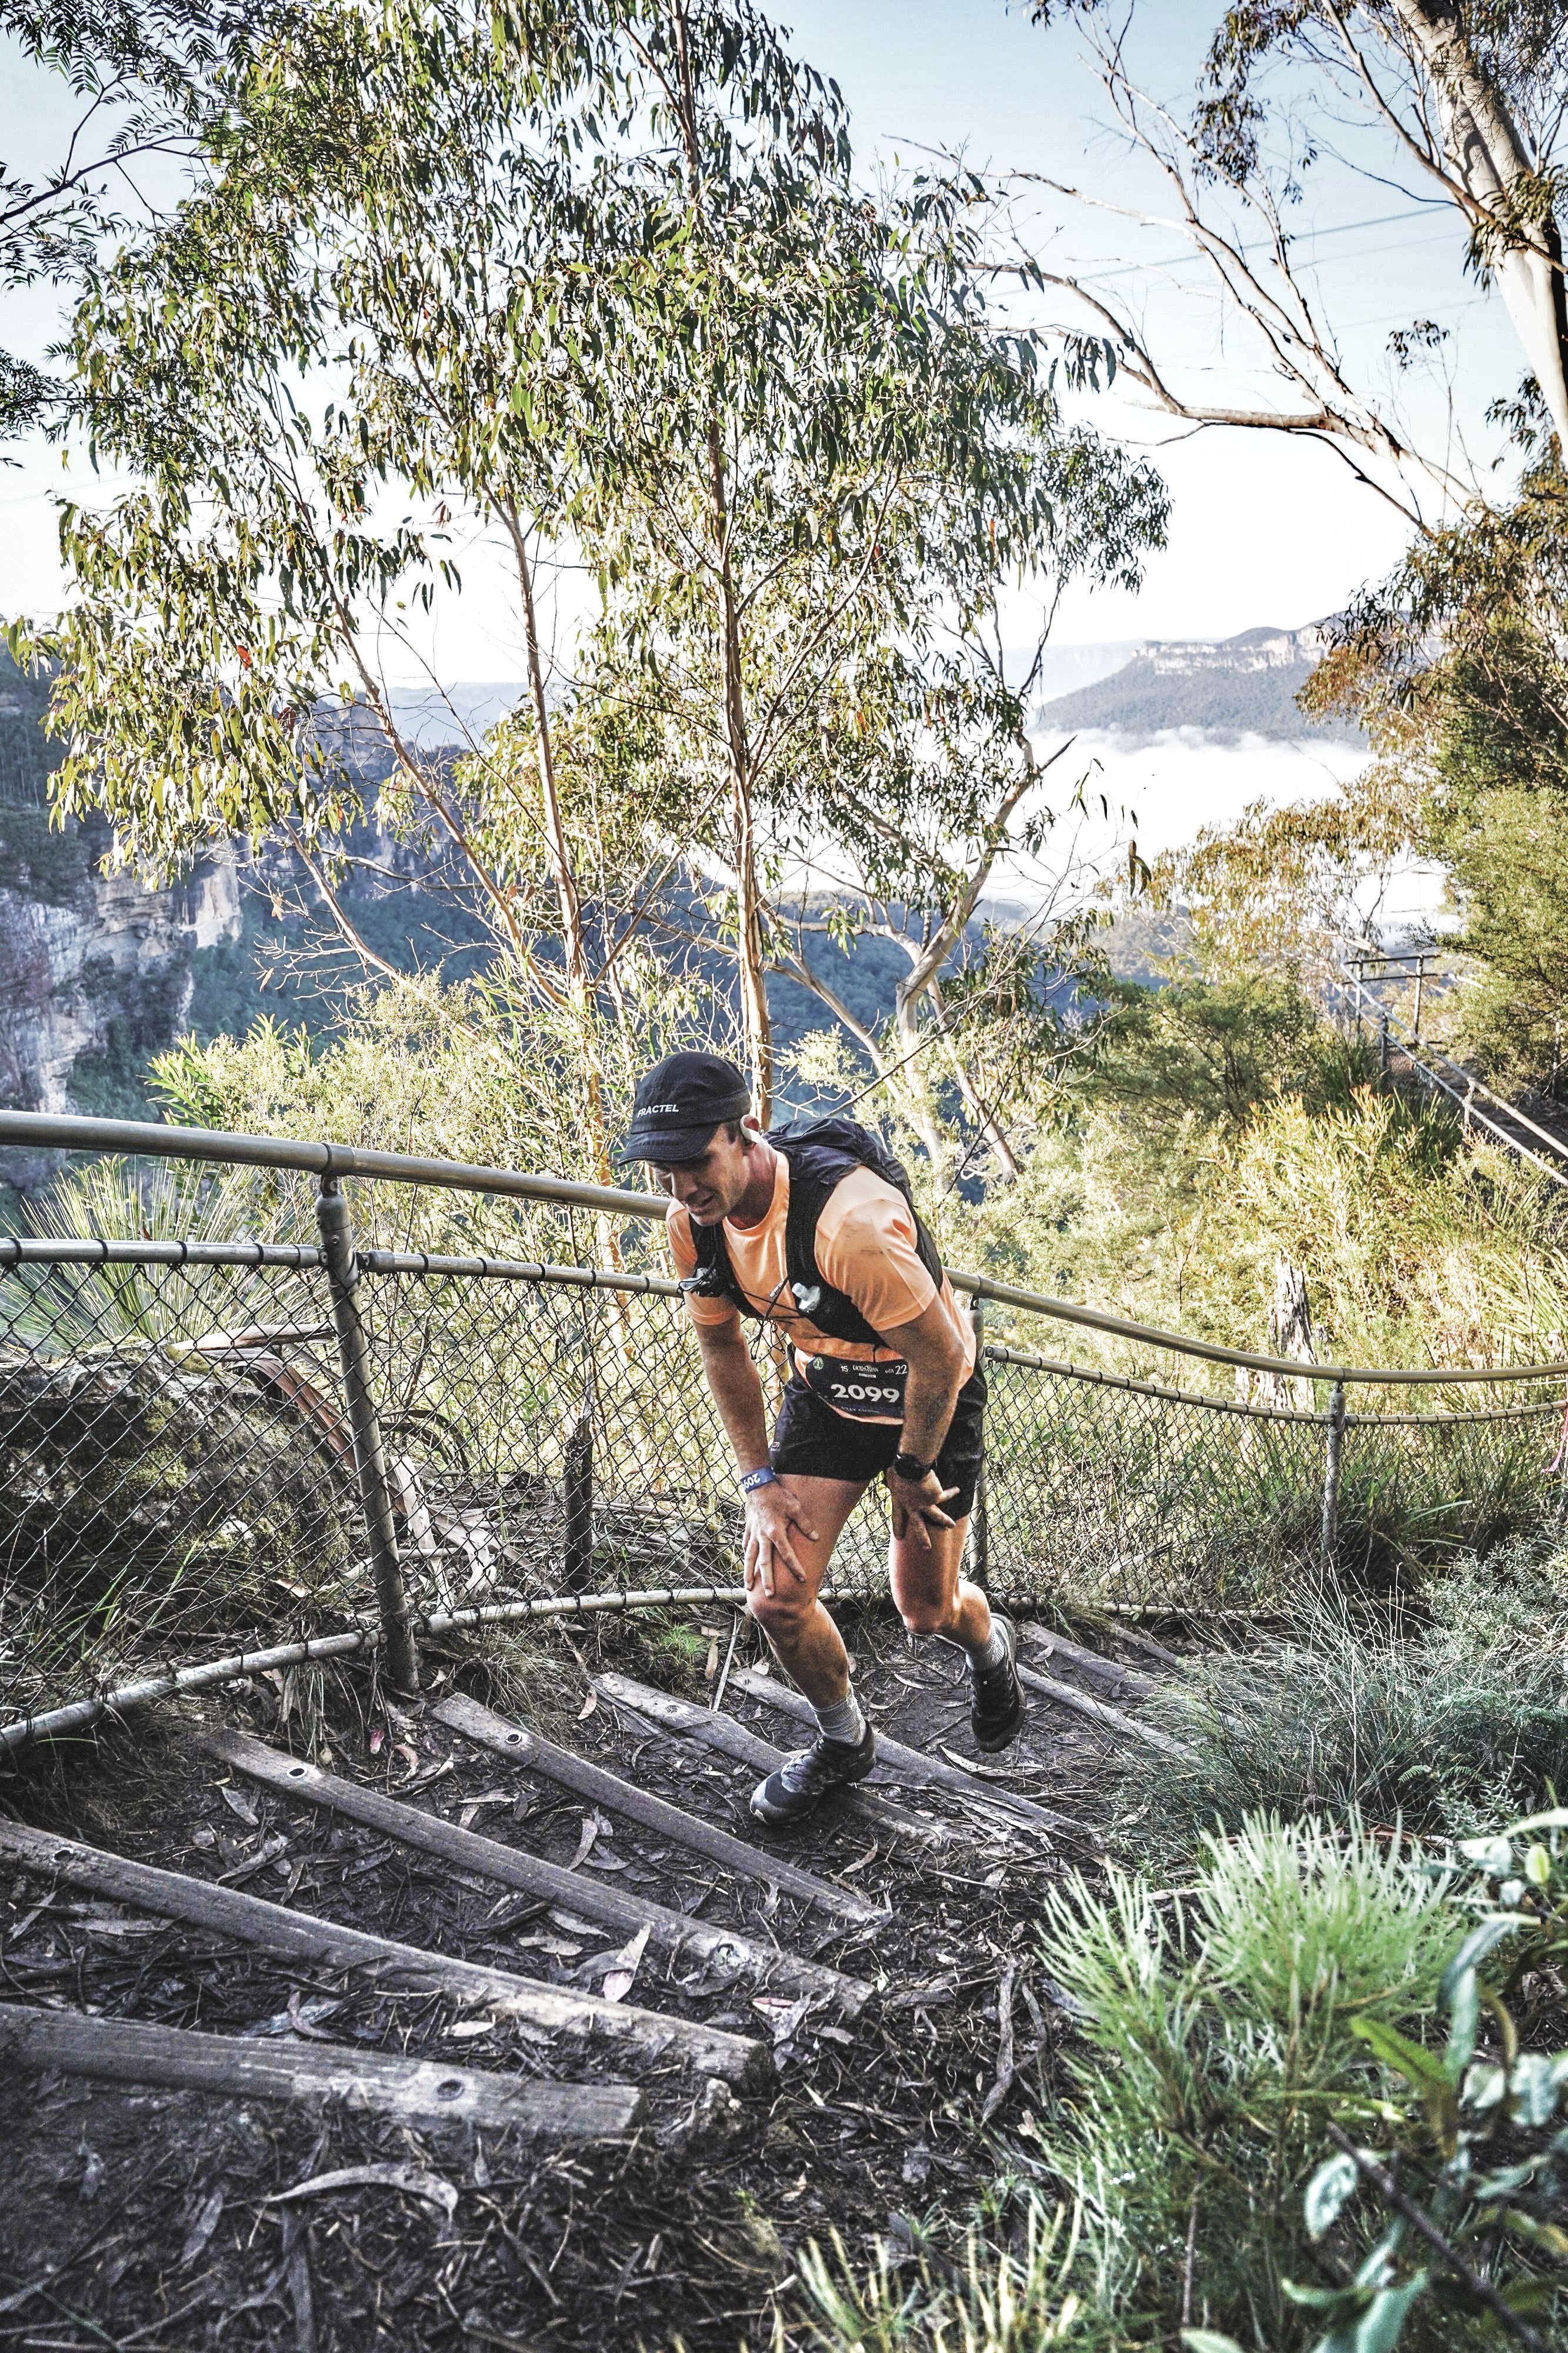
866 1392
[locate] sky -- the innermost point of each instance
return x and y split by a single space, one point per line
1265 529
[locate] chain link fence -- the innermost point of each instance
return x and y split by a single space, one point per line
216 1444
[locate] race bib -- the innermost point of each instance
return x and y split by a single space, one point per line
866 1392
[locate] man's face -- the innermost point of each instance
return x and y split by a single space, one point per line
708 1187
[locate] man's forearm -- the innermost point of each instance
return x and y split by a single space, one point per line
737 1391
930 1394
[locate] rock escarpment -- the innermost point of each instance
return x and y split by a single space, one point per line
95 968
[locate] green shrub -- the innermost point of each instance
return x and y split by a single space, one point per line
1449 1715
1214 2026
1289 2005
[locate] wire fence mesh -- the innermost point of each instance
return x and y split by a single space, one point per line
173 1466
178 1469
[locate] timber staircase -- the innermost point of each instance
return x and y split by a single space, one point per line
478 1927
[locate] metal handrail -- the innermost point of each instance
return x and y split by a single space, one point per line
48 1131
1096 1319
1422 1057
45 1130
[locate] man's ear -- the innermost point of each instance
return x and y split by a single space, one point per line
750 1129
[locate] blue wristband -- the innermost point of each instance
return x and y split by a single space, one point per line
766 1477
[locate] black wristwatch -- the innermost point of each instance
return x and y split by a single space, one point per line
910 1467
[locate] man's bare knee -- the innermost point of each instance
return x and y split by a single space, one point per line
934 1617
783 1617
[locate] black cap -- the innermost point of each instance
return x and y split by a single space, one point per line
680 1103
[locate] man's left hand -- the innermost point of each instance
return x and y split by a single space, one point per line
919 1506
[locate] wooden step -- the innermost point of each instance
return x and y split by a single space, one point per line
1045 1642
905 1763
747 1747
1110 1719
580 1893
643 2034
521 1746
419 2091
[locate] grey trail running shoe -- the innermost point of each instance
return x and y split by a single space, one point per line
997 1714
797 1787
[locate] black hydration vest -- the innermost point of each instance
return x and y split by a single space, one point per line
821 1152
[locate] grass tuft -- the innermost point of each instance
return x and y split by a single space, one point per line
1436 1722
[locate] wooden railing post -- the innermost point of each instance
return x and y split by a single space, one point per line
1333 1456
577 1564
980 1520
398 1651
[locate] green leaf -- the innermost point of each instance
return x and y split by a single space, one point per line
1333 2184
1465 2005
1490 1854
1534 2082
1477 1946
1552 2241
1408 2059
1557 1819
1386 2314
1208 2340
1531 2294
1351 2299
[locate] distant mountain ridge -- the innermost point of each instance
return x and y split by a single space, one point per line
1224 687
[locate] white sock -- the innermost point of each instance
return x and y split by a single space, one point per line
992 1651
843 1721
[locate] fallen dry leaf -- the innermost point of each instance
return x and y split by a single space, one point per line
412 2179
202 2229
972 1765
849 1869
589 1704
620 1968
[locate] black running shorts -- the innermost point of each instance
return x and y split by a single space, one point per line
815 1442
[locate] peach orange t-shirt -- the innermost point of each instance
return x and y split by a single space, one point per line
865 1246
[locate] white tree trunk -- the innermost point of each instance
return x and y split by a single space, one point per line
1487 153
1289 1334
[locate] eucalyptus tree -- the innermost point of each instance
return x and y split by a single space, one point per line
814 461
329 365
142 75
1458 103
606 286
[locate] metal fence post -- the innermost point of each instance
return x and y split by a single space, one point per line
1334 1454
398 1651
980 1519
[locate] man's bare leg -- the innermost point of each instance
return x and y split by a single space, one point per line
799 1629
934 1597
930 1591
805 1640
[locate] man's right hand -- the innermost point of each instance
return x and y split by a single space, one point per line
771 1517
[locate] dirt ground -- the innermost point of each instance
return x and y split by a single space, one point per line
150 2220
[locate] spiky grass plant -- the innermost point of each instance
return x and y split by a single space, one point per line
1443 1719
1217 2031
65 1310
1045 2289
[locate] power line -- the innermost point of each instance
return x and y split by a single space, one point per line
1260 245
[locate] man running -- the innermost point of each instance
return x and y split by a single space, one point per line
807 1231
